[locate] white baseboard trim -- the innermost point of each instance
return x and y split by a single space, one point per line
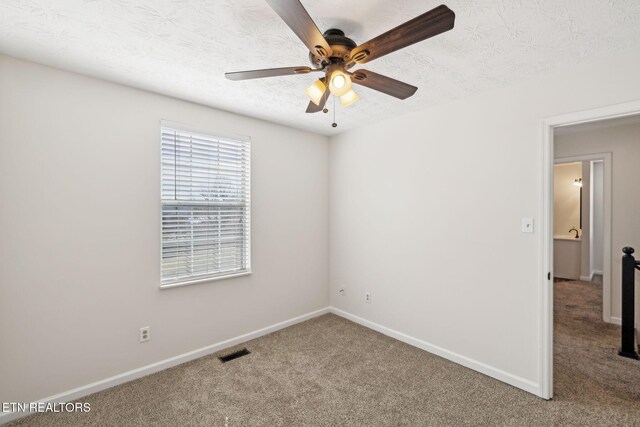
618 321
483 368
97 386
590 277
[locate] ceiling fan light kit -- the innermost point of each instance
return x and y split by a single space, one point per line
339 80
334 54
315 91
349 98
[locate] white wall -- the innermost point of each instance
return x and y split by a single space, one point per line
585 247
79 239
597 238
426 214
623 142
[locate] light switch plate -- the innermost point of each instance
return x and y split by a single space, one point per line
527 225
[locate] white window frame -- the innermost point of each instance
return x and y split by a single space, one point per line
212 277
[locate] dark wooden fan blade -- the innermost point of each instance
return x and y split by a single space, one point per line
313 108
269 72
427 25
383 84
296 17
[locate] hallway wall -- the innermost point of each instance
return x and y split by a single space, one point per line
597 235
585 261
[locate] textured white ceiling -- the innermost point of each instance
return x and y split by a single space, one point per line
183 48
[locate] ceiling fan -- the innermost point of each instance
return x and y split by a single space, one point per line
335 54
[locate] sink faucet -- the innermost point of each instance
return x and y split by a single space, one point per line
574 229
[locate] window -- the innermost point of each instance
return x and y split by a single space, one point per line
205 207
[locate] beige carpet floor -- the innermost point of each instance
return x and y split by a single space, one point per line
331 372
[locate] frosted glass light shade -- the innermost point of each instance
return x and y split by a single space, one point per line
340 83
316 91
349 98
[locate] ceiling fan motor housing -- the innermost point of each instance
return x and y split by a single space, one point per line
341 46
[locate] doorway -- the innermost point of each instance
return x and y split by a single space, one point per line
629 111
582 217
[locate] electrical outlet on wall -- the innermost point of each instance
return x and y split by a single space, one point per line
367 297
145 334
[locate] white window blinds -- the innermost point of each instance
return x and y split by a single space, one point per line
205 206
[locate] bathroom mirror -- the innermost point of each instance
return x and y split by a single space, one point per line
567 212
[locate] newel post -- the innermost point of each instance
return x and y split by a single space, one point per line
627 348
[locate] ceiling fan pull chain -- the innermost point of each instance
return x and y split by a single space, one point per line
334 124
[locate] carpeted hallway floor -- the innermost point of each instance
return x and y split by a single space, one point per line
331 372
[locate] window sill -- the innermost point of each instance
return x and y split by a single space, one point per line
204 280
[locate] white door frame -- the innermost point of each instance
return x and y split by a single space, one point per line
546 215
606 264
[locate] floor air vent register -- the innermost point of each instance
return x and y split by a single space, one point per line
234 355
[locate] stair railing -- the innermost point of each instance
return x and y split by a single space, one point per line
629 265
